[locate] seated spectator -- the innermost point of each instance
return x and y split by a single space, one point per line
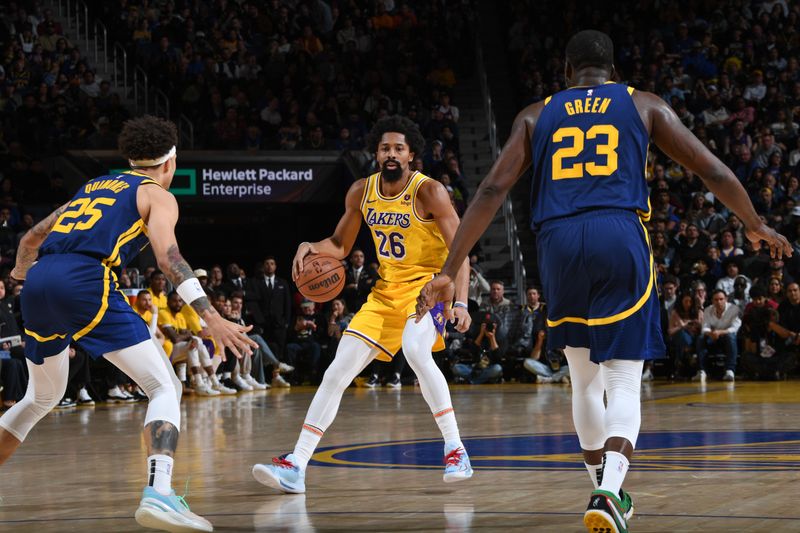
482 350
721 323
501 307
338 320
760 358
181 346
205 345
741 296
788 329
726 283
304 348
552 368
156 288
685 322
252 365
149 312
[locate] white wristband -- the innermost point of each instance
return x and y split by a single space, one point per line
190 290
461 304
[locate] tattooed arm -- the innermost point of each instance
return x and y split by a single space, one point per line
159 210
28 249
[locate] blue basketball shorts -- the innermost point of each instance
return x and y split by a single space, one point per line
598 280
75 298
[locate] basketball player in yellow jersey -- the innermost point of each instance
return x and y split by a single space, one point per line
412 223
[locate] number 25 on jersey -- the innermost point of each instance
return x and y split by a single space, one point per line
576 170
78 208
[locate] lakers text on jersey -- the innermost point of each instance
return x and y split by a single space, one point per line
410 250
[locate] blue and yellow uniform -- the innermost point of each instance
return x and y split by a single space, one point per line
589 202
71 293
410 250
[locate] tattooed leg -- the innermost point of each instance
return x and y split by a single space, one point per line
161 438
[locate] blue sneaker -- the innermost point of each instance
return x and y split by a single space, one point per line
456 465
283 475
168 513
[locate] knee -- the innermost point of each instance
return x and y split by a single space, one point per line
337 375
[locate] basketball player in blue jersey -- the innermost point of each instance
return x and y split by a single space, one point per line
588 148
71 295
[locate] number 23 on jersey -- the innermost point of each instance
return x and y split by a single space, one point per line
578 136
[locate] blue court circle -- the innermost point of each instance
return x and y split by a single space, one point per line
661 451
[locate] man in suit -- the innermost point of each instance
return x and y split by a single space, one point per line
359 280
275 304
234 280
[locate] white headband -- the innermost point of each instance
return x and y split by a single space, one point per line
152 162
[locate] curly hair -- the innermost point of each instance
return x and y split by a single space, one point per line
147 137
397 124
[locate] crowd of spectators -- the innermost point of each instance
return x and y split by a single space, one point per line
729 69
291 75
297 75
51 98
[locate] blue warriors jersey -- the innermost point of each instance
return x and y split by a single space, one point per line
102 221
71 293
589 151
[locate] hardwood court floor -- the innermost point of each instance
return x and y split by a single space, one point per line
722 458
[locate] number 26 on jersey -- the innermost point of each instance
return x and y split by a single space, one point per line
608 149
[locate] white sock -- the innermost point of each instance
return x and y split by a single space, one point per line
226 375
446 420
306 444
615 466
160 473
595 472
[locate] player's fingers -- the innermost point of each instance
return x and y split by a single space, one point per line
231 345
449 314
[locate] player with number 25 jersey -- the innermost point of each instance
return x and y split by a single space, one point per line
99 230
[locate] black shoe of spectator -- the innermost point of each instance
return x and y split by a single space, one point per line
66 403
138 396
372 382
394 383
228 382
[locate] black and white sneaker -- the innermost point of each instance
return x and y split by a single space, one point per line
116 395
66 403
394 383
372 382
84 398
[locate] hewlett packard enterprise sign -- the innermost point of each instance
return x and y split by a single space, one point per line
233 177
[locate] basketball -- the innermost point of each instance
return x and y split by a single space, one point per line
322 278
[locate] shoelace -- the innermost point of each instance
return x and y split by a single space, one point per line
182 499
454 457
282 462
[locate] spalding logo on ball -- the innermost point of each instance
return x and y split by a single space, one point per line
322 278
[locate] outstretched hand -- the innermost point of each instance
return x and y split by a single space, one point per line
778 244
231 335
439 289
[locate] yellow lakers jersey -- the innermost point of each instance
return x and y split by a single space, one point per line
409 246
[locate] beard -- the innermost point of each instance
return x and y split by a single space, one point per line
391 174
